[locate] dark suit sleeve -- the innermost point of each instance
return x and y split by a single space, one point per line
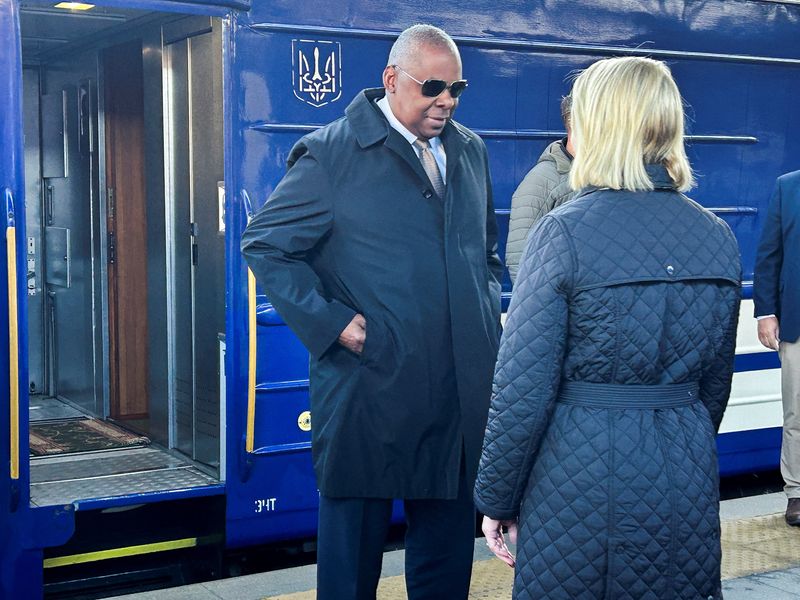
295 219
769 260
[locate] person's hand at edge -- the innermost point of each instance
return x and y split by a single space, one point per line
768 332
493 531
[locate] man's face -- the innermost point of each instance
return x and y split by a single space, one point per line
423 116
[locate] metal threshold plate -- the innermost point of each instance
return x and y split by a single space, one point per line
67 479
47 409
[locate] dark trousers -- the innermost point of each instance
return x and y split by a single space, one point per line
439 544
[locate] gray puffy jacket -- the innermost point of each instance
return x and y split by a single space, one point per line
545 187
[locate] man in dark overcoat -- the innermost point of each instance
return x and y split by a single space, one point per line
378 248
776 295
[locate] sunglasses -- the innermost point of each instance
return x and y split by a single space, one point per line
433 87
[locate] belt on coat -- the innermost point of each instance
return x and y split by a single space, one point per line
618 396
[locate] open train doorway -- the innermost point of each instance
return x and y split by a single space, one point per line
124 164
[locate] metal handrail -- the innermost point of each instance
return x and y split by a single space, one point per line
251 367
13 334
252 345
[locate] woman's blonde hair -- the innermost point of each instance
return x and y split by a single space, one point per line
626 113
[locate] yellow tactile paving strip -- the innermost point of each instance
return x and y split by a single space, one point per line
758 545
749 546
491 580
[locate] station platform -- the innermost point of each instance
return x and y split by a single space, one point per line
760 560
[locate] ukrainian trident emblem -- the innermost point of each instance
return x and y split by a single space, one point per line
317 71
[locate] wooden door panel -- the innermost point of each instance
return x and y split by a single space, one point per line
127 227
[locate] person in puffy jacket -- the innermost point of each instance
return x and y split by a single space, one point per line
545 187
615 365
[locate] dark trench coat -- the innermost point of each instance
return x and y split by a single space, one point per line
612 379
354 226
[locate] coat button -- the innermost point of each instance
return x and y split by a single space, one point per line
670 269
428 194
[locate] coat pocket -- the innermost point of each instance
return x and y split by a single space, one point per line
373 343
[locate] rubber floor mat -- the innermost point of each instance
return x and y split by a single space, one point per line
80 435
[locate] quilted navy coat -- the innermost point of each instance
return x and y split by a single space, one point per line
613 375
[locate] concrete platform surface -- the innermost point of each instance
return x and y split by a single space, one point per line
760 561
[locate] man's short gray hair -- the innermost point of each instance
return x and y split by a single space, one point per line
566 110
408 43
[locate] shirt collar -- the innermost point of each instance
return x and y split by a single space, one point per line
383 104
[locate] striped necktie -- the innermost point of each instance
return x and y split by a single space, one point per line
430 166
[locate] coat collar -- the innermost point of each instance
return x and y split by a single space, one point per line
557 154
658 175
371 127
365 118
455 139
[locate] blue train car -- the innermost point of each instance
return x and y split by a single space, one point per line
154 405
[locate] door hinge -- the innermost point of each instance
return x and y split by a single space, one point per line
193 231
111 202
112 247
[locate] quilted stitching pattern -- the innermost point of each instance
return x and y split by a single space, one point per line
624 288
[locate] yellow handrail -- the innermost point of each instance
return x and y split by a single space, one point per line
252 342
13 343
251 367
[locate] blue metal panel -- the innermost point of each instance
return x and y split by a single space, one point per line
278 408
757 361
149 497
282 357
749 451
12 188
713 26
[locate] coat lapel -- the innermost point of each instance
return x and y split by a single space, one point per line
400 146
371 127
454 142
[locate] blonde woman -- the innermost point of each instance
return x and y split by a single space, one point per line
615 365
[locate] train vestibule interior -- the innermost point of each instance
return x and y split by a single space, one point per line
125 250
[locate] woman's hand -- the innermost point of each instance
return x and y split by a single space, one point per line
493 530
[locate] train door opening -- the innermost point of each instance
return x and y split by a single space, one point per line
125 251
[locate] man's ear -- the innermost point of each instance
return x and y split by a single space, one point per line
389 79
